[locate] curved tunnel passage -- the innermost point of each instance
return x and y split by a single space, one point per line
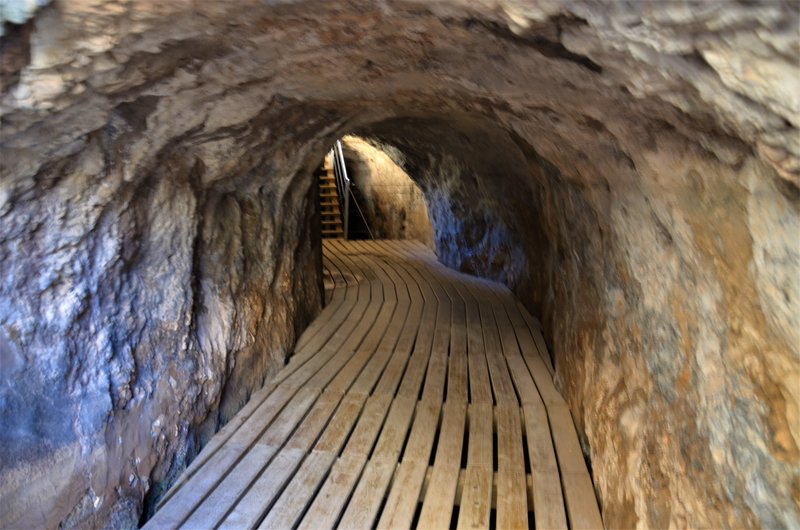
630 170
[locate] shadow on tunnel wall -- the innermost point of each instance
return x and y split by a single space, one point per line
629 169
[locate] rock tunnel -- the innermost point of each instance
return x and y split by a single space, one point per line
628 169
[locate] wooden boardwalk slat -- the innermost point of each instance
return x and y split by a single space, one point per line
388 347
578 491
338 487
498 370
409 370
457 382
367 497
512 495
217 503
546 487
437 506
265 412
480 388
401 504
418 364
286 512
476 500
263 491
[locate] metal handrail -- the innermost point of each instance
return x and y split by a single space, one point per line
343 187
371 236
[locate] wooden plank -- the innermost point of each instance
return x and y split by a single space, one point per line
437 365
291 504
345 417
387 299
479 385
363 507
346 348
336 317
301 489
542 349
369 376
264 405
330 501
215 506
532 324
476 498
541 376
367 308
480 434
309 430
437 506
409 320
512 504
280 430
441 335
394 369
386 349
394 430
548 505
219 440
501 380
368 426
523 382
258 422
181 505
306 364
417 366
404 495
236 482
578 490
212 470
337 296
548 500
254 503
339 326
457 383
365 502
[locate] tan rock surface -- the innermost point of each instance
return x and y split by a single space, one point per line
392 204
630 168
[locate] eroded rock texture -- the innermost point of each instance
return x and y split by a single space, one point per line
631 169
392 204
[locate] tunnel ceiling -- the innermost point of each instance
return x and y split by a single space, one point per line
630 169
567 78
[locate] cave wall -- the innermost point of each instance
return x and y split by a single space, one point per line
667 307
669 312
630 169
393 204
152 280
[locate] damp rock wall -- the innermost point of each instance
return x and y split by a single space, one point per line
630 169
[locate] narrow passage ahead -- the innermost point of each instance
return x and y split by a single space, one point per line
420 397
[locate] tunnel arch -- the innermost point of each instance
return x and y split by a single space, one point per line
657 146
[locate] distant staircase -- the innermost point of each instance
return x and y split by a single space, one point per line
330 204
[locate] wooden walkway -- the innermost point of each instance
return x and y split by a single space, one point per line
420 397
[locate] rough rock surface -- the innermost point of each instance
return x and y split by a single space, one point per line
393 204
630 168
